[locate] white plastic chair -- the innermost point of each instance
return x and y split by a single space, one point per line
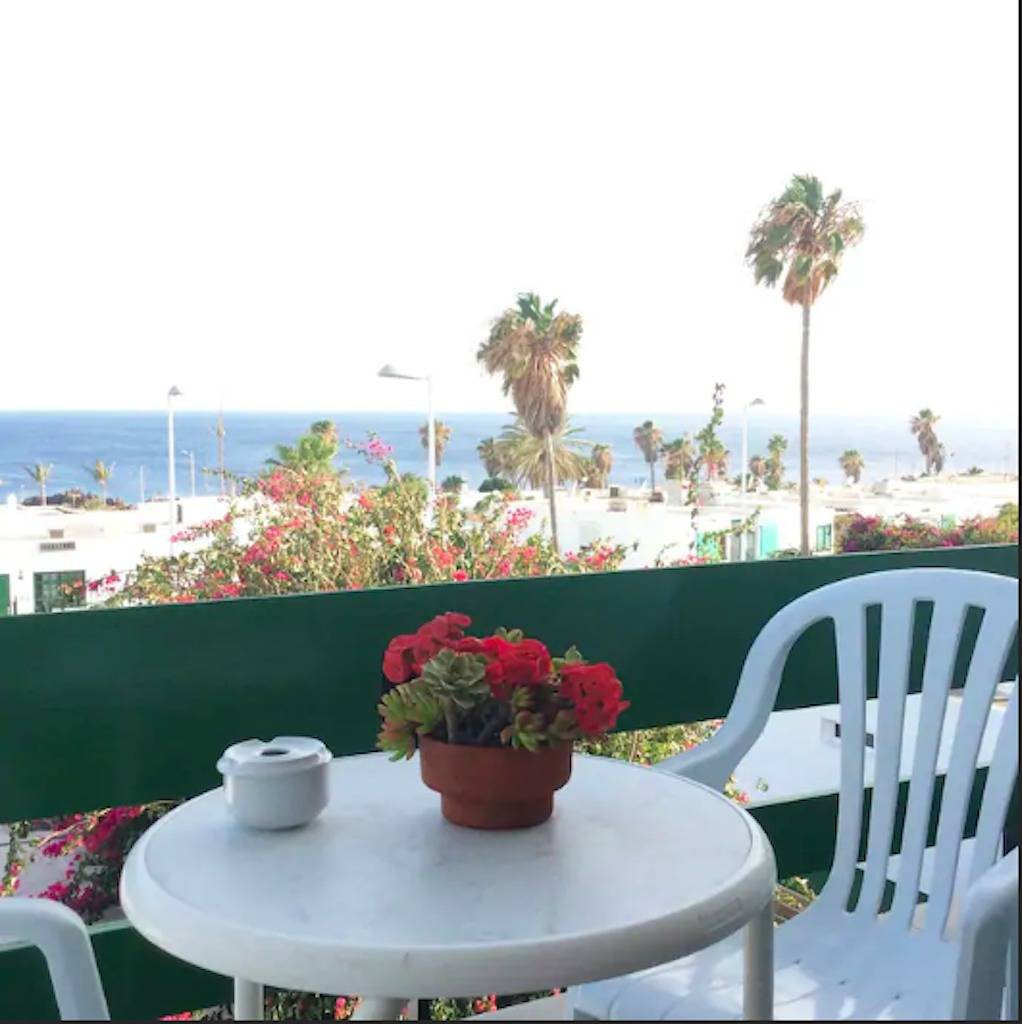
832 962
59 932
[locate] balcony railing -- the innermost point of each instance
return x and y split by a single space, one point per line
104 708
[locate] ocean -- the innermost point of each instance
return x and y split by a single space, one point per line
136 442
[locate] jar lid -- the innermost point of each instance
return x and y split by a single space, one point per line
280 756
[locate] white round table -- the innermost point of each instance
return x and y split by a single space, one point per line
381 896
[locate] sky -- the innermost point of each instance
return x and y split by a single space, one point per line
262 203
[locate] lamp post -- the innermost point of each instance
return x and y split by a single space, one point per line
191 467
173 393
392 373
743 474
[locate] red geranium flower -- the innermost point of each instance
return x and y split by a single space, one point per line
595 692
407 653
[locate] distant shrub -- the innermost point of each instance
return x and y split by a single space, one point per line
452 484
874 533
496 483
974 471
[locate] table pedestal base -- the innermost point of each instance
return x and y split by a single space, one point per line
248 1000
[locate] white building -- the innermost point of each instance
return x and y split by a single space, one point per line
44 552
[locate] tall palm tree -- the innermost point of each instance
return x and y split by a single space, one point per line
40 473
852 464
679 458
101 473
525 457
649 439
441 438
489 453
535 351
803 235
923 425
603 462
777 445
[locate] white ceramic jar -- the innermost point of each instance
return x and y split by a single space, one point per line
280 784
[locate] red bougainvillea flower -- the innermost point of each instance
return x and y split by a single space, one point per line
595 692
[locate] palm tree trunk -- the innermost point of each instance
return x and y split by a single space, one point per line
551 483
42 493
652 480
803 455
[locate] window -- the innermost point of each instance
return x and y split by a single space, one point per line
824 537
55 591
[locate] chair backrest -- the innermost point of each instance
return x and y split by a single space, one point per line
900 596
64 940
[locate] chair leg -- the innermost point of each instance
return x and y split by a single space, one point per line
758 987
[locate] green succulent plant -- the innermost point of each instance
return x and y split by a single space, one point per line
408 710
458 679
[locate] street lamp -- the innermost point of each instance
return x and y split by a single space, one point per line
173 393
394 374
191 467
743 474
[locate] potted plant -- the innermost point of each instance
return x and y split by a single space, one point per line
493 718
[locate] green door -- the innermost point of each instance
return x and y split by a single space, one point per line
5 595
767 539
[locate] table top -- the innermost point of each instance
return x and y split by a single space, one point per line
382 896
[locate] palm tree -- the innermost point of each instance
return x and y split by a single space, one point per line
441 438
535 350
314 453
649 439
852 464
588 474
40 473
488 452
757 469
101 473
776 447
803 234
524 456
715 456
602 458
679 458
923 425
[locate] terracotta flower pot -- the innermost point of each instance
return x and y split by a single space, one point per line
494 787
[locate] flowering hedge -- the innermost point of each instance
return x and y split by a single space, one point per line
874 533
300 532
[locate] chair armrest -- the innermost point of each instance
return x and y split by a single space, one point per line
710 763
989 944
64 941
